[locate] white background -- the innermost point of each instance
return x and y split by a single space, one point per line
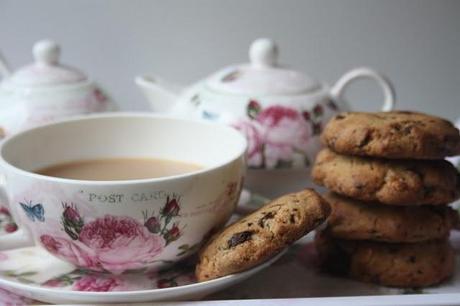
416 43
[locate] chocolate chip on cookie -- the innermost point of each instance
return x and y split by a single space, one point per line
262 234
394 134
393 182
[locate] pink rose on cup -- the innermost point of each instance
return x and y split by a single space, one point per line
68 250
120 243
11 227
71 220
97 284
153 225
171 207
70 213
173 234
111 243
6 221
4 211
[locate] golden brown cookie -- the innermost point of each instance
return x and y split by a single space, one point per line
356 220
395 134
396 265
394 182
262 234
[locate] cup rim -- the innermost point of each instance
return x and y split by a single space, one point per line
241 152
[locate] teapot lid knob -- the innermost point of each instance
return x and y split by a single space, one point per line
263 76
263 53
46 52
46 69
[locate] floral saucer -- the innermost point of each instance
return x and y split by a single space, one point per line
32 273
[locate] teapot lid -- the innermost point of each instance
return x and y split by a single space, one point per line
46 69
263 75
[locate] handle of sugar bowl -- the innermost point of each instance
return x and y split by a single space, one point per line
10 236
338 90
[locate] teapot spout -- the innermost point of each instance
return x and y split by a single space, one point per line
161 95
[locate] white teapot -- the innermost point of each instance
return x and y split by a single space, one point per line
281 111
46 90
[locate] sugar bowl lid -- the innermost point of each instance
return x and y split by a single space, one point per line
46 69
262 76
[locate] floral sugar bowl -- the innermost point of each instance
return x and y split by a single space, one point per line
46 90
281 111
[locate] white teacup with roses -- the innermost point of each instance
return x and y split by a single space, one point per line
120 226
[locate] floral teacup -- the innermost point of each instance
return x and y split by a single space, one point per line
119 226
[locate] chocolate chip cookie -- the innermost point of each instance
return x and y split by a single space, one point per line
395 134
409 265
356 220
262 234
394 182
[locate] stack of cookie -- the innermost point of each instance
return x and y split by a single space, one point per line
390 188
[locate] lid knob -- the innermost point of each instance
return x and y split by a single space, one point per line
263 53
46 52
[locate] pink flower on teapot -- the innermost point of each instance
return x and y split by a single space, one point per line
275 134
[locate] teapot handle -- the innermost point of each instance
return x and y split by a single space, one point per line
338 90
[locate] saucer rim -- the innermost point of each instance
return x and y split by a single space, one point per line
193 286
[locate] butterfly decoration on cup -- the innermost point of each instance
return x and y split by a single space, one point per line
210 116
34 212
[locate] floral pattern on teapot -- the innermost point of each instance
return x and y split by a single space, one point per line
280 136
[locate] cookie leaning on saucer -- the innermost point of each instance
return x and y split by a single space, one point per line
262 234
409 265
355 220
394 134
394 182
